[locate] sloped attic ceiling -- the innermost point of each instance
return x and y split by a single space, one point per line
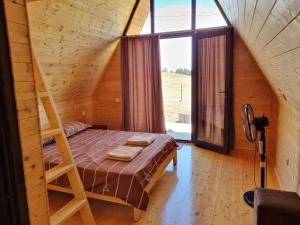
271 30
74 40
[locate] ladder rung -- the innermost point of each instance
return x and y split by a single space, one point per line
43 94
67 166
50 132
67 211
57 171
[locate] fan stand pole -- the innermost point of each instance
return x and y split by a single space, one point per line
262 157
249 195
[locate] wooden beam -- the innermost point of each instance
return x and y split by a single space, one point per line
15 210
131 17
184 33
222 12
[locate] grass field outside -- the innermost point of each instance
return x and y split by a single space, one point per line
177 100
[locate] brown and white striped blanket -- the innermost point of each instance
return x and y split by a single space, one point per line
124 180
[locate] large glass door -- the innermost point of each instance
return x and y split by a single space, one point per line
176 85
212 89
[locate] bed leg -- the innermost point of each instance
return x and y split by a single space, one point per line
136 214
175 160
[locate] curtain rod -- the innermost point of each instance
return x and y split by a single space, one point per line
178 34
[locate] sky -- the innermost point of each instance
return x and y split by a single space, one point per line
176 53
171 15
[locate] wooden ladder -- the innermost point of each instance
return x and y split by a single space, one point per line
68 167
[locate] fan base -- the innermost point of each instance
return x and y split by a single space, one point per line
249 198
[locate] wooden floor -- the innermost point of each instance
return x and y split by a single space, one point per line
205 189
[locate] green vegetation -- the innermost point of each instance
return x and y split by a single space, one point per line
180 71
183 71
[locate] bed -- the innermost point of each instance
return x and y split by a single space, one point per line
121 182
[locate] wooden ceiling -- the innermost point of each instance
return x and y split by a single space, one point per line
271 30
74 40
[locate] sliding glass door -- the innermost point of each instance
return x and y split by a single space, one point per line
212 89
176 84
197 99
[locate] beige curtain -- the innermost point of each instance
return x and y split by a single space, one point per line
141 80
211 93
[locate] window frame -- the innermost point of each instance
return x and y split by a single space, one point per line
193 18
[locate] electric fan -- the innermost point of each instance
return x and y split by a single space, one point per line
251 126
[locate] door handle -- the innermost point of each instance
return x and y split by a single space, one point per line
222 92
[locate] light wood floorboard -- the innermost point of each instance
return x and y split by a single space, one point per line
205 189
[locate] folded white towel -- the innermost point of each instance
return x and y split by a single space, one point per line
124 153
141 139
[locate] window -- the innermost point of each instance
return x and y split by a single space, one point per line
172 15
177 15
208 15
176 54
143 15
176 74
147 26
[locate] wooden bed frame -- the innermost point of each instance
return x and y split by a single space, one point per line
136 212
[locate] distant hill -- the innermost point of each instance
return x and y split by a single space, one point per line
181 71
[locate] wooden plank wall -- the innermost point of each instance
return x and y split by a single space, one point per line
271 30
107 98
74 41
29 128
249 86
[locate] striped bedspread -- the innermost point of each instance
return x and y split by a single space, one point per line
125 180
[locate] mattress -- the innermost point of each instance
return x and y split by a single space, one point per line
124 180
